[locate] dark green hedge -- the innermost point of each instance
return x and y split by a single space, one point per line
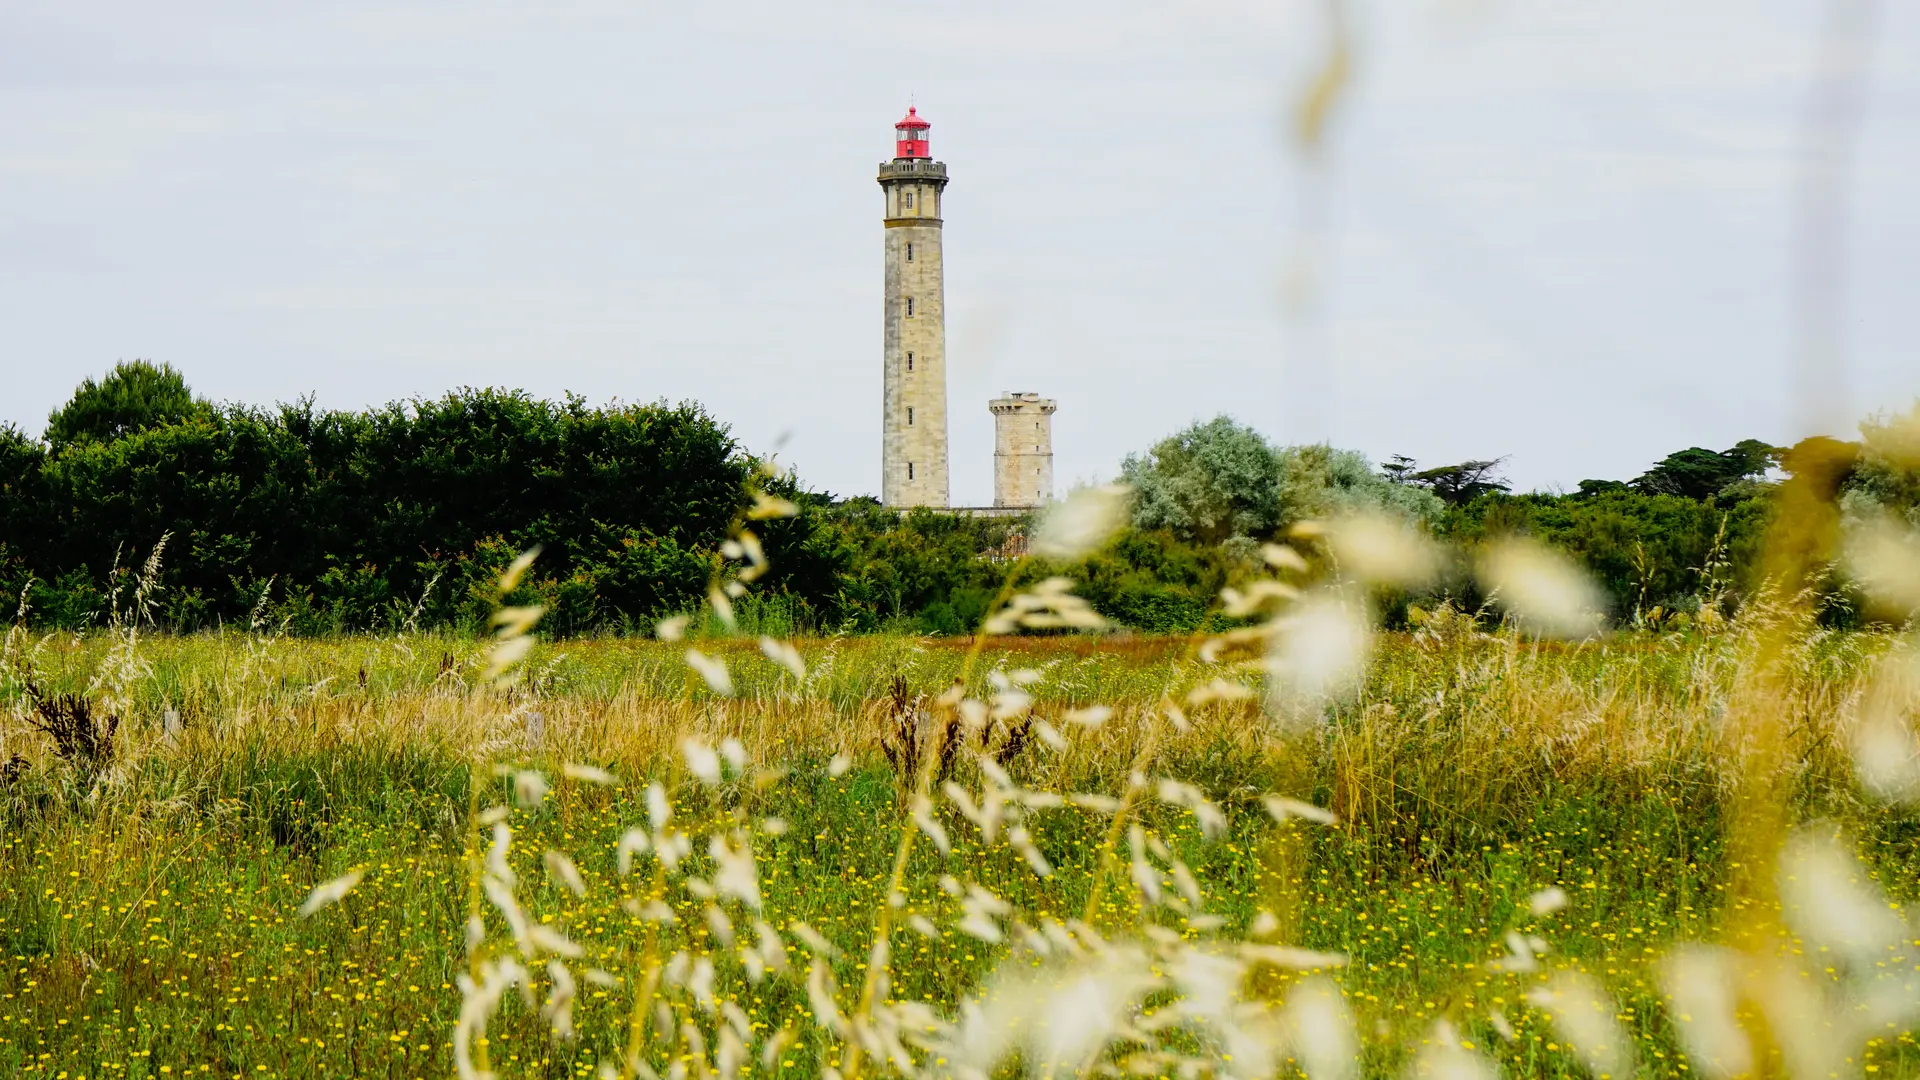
343 519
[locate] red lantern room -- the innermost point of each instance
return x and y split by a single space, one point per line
910 136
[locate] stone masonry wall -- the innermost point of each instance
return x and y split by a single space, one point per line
914 421
1022 449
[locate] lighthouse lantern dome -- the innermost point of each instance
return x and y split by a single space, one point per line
910 136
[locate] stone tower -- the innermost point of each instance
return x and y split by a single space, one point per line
914 448
1022 449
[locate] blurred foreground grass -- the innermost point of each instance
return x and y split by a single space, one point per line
148 921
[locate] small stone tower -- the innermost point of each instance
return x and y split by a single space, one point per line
1022 449
914 445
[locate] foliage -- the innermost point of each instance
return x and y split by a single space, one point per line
1695 473
932 573
923 571
1887 475
1644 550
340 520
135 396
1320 481
1214 480
1152 582
321 521
1457 485
1218 480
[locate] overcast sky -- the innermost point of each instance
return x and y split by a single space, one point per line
1558 231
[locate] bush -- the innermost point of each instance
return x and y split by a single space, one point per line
343 520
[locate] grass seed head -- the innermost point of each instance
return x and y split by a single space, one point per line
510 579
1318 651
1883 555
1383 550
702 762
328 893
589 774
1583 1013
562 870
1322 1030
1445 1058
1547 901
529 788
1701 984
712 671
1081 522
1542 588
1831 900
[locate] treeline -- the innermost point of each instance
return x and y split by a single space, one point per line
324 521
1692 524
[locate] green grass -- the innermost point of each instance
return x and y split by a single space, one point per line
193 957
149 925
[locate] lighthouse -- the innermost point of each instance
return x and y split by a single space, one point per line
914 353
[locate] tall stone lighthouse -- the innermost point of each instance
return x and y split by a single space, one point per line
913 454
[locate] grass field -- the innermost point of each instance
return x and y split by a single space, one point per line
149 901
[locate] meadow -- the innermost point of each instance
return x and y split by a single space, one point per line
426 854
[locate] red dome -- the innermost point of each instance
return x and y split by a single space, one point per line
910 137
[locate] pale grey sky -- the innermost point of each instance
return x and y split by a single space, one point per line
1555 229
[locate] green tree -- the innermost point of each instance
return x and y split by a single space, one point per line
1212 481
1887 478
922 570
135 396
1601 487
1698 473
1643 549
1320 481
1152 582
1219 481
1458 485
352 515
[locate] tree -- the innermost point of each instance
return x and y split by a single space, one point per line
1219 480
1887 478
353 515
1458 485
135 396
1214 480
1699 473
1642 549
1754 456
1320 481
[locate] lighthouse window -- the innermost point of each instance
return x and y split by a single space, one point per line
909 202
909 361
909 252
909 416
909 305
909 470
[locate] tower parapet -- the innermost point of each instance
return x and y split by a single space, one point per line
1022 449
913 169
913 458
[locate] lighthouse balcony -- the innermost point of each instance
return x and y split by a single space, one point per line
913 169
